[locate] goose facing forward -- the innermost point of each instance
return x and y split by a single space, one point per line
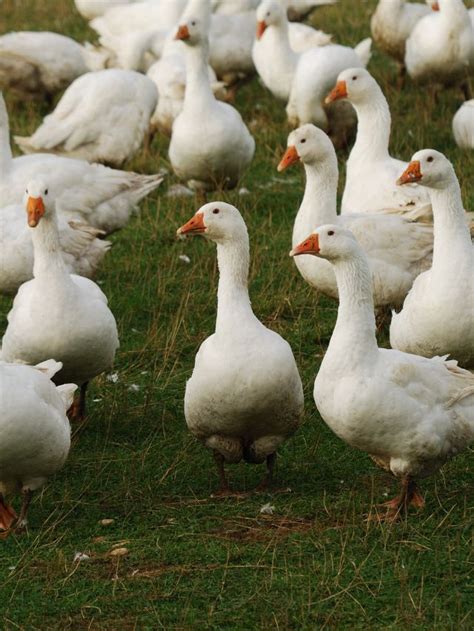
57 313
34 433
410 413
245 397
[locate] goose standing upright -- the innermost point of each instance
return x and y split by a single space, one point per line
34 433
438 314
411 414
57 313
216 151
397 249
371 171
245 397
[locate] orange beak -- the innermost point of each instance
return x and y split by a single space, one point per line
35 210
290 157
308 246
182 33
261 27
435 6
411 174
195 225
338 92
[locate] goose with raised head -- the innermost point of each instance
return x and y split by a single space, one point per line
81 248
440 48
57 313
371 171
97 195
245 397
438 314
410 413
35 435
397 248
103 116
217 151
463 125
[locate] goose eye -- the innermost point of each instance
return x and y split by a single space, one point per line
193 23
354 78
430 159
303 140
46 192
330 233
216 211
268 14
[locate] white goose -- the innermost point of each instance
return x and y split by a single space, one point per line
218 150
43 63
438 314
81 248
411 414
440 48
397 249
95 194
90 9
245 397
34 433
371 172
103 116
57 313
463 125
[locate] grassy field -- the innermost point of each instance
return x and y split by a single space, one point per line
198 562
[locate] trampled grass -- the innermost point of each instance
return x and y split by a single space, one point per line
198 562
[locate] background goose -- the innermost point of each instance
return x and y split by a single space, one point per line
95 194
56 312
102 117
218 150
410 413
463 125
90 9
43 63
438 314
34 433
371 172
245 397
397 249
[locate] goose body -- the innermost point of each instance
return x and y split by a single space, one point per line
397 249
371 172
90 9
218 150
102 117
39 323
463 125
410 413
248 406
440 48
438 314
97 195
34 432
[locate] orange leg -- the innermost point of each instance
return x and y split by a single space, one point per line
409 496
7 517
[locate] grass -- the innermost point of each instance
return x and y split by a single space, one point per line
198 562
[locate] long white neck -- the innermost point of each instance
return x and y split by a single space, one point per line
353 339
453 12
278 39
47 250
452 239
5 149
373 128
233 302
198 89
319 205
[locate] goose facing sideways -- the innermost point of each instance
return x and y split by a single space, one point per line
410 413
463 125
34 434
245 397
92 193
438 314
371 171
57 313
397 249
103 116
218 150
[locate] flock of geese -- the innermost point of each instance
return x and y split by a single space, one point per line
401 240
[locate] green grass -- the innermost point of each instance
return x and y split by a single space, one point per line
198 562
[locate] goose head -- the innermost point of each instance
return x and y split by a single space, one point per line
194 24
354 84
329 242
309 144
218 221
269 13
39 201
429 168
